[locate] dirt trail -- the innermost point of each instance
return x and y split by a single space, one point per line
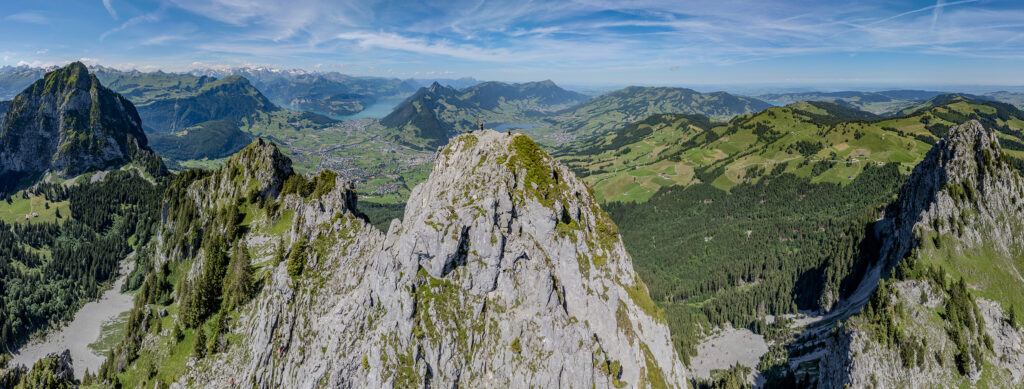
83 330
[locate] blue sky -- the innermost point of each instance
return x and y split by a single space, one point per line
681 42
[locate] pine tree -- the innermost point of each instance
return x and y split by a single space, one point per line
177 333
219 327
239 286
297 258
199 349
280 252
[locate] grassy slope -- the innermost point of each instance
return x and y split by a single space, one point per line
635 171
15 211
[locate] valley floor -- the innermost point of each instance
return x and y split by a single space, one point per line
725 349
84 330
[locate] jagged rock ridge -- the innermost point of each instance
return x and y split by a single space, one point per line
962 199
503 272
67 123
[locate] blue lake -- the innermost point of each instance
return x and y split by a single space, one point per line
379 109
504 127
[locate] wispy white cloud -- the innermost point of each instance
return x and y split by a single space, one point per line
599 36
162 39
937 11
422 46
704 31
144 18
29 17
110 8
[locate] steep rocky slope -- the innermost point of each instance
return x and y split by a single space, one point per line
955 238
68 123
503 272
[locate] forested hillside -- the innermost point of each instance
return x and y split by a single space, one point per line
774 211
64 243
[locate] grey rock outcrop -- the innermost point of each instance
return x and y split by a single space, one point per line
503 272
68 124
964 200
966 170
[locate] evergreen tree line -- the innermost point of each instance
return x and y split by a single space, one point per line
965 326
225 282
51 268
770 247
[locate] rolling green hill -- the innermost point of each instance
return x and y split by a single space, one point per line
875 102
613 110
824 142
211 139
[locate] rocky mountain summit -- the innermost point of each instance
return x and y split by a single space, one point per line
960 212
67 123
503 272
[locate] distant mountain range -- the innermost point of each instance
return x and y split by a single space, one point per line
613 110
14 79
191 116
457 83
329 93
229 98
890 102
435 113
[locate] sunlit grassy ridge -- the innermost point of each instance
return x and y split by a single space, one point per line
822 141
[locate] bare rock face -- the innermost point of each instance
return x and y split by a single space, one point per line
967 170
963 206
504 272
67 123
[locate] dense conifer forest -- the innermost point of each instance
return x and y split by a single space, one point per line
51 268
773 246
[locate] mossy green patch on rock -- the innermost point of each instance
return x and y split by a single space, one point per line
638 292
541 180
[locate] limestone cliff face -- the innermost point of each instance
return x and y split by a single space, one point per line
965 188
67 123
961 209
504 272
